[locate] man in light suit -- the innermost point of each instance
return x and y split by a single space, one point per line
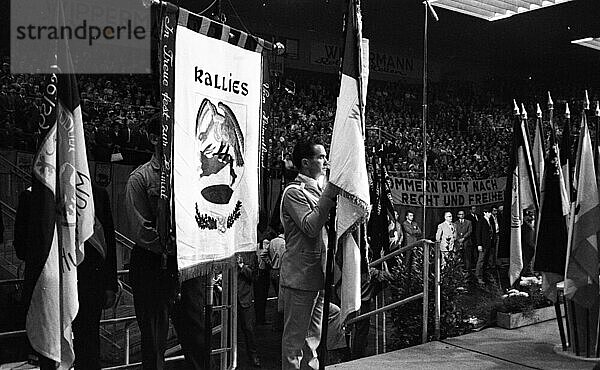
446 236
304 212
464 230
446 233
486 239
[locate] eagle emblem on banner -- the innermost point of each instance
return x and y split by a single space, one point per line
219 145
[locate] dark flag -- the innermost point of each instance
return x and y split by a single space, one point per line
551 248
381 228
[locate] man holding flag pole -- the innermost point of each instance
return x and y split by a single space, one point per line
348 167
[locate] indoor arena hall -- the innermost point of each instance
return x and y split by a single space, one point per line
341 184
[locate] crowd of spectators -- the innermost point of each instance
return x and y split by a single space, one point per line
468 135
466 139
114 108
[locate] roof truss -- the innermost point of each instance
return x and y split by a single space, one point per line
493 10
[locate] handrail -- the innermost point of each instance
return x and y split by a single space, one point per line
424 295
21 280
7 207
399 251
11 281
384 308
22 174
124 240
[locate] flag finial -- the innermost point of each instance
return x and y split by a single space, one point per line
550 102
567 112
586 101
538 111
597 110
516 108
523 111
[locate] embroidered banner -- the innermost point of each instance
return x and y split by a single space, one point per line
217 120
409 192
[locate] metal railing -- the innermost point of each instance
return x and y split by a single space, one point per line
424 295
19 172
128 321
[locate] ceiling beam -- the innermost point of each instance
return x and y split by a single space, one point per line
461 7
588 42
494 9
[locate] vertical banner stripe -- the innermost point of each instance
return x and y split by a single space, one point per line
225 33
165 212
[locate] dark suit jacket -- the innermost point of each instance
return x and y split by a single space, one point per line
486 235
245 291
464 230
412 232
96 273
474 224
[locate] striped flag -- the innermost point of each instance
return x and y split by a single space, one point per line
62 218
523 194
581 275
347 157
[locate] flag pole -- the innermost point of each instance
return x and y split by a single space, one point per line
208 310
597 136
331 234
428 8
596 154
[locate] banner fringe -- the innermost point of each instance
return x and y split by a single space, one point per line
357 201
203 268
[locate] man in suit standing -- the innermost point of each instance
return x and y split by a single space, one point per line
446 233
464 230
472 254
486 239
412 231
304 212
528 238
496 220
246 313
